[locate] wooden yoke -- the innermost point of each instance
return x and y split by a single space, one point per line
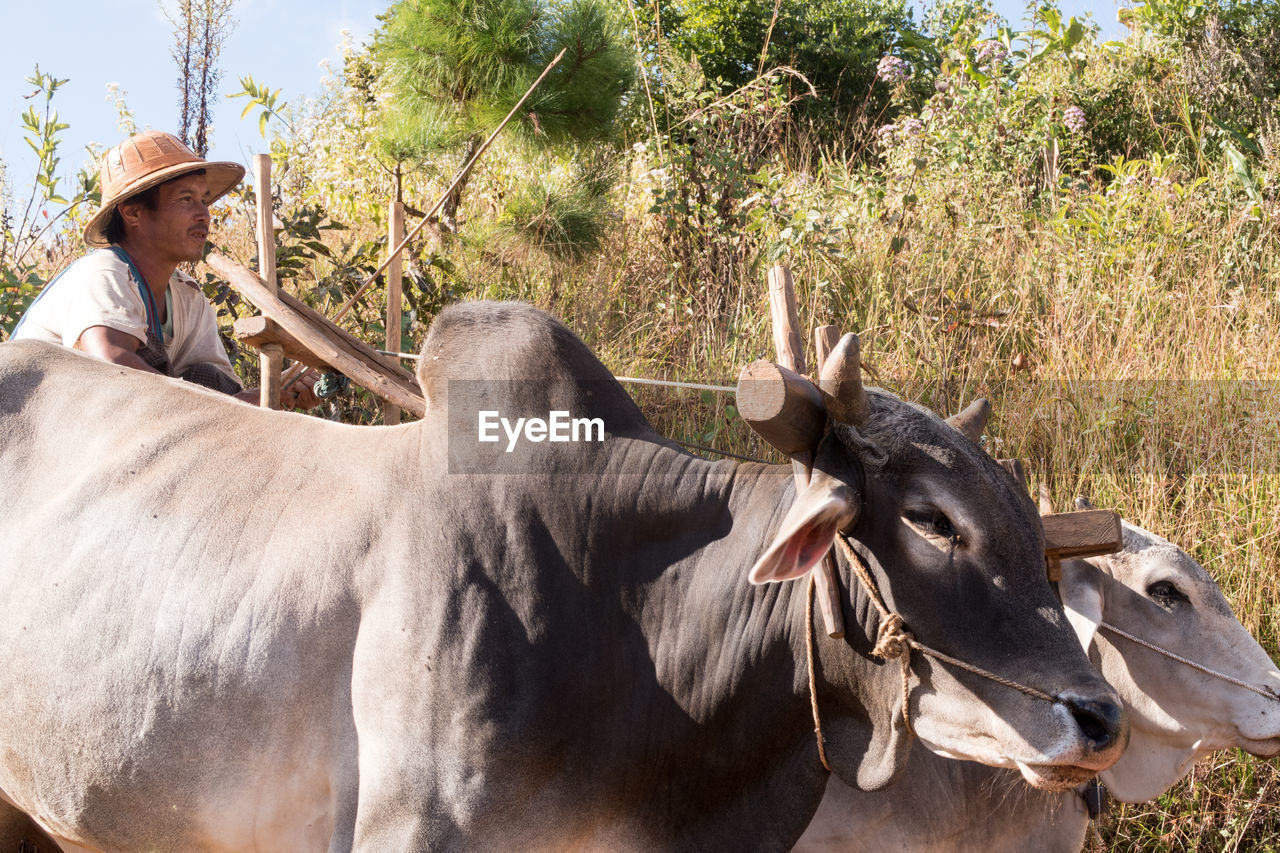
798 409
783 407
1071 535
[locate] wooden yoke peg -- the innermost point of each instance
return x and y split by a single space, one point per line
825 339
790 352
1014 467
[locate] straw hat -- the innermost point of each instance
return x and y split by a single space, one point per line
144 160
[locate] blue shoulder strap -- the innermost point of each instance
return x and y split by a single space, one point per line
153 317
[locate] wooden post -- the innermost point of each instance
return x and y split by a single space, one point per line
790 352
786 322
272 369
272 354
825 339
395 233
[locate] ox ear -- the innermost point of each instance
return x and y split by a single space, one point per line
809 530
1081 591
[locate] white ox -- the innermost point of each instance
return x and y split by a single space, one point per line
1151 589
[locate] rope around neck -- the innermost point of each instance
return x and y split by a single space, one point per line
1261 691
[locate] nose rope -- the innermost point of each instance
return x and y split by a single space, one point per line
893 638
895 642
1261 691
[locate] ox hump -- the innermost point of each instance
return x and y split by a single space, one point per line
516 357
23 366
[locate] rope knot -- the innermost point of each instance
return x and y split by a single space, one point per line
893 640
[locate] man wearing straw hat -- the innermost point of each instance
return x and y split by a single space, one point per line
127 302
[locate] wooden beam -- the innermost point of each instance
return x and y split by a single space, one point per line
354 358
257 331
1089 533
1070 535
783 407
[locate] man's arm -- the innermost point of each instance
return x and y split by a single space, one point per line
121 348
114 346
299 394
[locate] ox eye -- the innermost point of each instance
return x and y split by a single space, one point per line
1166 595
934 522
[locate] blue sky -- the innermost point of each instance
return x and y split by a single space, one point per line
92 42
280 42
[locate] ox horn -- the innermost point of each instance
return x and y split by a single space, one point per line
973 420
1014 467
841 381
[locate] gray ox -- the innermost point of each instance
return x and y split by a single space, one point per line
1151 589
230 629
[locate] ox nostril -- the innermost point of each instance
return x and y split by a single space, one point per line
1099 722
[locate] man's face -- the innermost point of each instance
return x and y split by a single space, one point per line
178 227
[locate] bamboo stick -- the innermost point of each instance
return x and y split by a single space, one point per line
259 330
